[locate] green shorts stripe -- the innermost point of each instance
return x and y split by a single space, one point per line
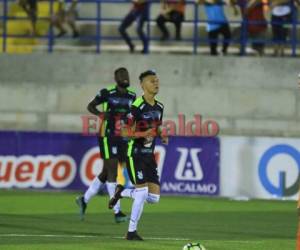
129 151
132 170
106 151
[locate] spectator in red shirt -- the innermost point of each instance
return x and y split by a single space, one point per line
256 23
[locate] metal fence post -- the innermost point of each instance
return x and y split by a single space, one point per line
196 19
4 35
294 30
148 27
51 33
98 27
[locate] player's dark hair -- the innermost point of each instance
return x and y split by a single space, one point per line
149 72
120 69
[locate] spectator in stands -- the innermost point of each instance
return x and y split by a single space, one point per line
255 23
66 14
217 24
171 11
282 11
139 10
30 7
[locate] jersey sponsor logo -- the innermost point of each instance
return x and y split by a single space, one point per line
279 170
151 115
189 166
27 171
120 101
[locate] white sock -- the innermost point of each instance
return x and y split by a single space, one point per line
111 188
153 198
92 190
128 192
137 207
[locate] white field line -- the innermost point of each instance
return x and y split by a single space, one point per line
87 236
118 237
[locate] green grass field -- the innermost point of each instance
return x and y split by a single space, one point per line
44 220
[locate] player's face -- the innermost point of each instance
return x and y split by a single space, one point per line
150 84
122 78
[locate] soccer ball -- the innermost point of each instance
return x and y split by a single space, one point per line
193 246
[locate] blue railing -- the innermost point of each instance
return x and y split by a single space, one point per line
195 41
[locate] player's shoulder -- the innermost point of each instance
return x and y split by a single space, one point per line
108 90
159 103
111 88
131 91
138 102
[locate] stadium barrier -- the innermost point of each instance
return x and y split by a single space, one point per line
99 20
187 166
238 167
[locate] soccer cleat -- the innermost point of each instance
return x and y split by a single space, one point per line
120 217
82 206
113 201
133 236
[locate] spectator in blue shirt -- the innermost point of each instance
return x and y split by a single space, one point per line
217 24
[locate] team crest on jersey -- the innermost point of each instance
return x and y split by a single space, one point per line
140 175
114 150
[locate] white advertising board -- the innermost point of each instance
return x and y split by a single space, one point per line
260 167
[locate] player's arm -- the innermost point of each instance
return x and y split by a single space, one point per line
99 99
161 132
130 130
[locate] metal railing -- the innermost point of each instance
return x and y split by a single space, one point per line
99 21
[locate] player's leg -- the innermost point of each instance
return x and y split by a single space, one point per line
136 172
152 181
97 182
93 189
127 21
111 187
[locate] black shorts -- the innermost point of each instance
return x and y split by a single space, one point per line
142 168
113 148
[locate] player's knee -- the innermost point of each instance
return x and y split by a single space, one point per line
141 193
153 198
